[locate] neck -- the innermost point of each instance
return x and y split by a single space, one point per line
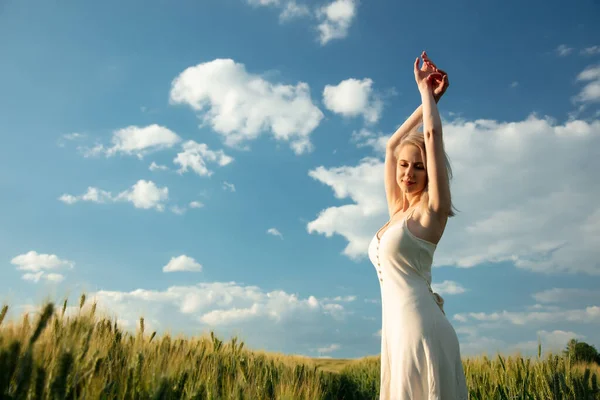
411 200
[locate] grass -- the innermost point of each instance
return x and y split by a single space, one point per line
88 356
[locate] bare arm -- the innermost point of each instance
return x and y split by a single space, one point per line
437 175
392 190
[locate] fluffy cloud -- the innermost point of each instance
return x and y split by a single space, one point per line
138 141
448 288
182 263
563 50
479 338
195 156
240 105
292 10
228 186
143 194
591 51
38 266
146 195
157 167
479 330
70 137
565 295
365 137
178 210
135 140
329 349
353 97
591 90
229 308
335 20
517 201
554 341
589 315
274 232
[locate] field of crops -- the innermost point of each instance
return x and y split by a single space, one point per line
52 355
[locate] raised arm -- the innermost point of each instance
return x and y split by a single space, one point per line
437 174
392 190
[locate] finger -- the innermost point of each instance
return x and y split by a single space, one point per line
442 72
416 64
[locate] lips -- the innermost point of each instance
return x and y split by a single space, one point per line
408 183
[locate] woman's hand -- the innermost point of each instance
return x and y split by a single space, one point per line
440 86
429 78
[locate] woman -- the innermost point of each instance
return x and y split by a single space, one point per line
420 353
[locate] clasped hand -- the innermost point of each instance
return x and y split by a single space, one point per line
429 77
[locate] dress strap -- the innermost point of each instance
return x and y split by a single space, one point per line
411 212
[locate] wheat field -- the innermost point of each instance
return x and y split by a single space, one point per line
88 356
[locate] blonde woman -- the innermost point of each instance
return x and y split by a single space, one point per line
420 352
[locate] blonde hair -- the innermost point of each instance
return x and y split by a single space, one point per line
417 139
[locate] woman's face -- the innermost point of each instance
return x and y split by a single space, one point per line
411 174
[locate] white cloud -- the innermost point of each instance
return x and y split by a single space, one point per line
196 204
54 277
517 200
93 195
34 262
587 315
274 232
564 295
336 18
514 84
157 167
591 90
448 288
37 276
364 137
268 319
73 136
292 10
240 105
38 266
195 156
329 349
554 341
563 50
70 137
182 263
146 195
263 2
353 97
591 51
135 140
178 210
33 277
143 194
343 299
68 199
229 186
476 342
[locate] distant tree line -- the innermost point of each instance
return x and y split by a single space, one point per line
582 352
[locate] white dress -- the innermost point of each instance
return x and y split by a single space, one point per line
420 353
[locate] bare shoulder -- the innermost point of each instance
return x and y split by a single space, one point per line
428 225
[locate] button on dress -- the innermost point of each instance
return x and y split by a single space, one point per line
420 352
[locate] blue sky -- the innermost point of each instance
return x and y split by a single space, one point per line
218 165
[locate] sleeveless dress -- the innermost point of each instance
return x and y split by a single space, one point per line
420 352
